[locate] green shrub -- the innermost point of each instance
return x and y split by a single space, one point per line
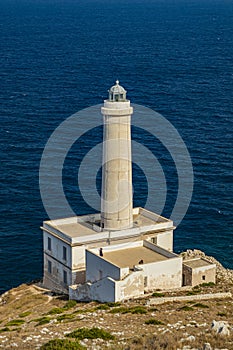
203 306
121 310
70 304
127 310
102 307
5 329
153 321
90 333
62 344
138 310
186 308
221 314
25 314
15 323
113 304
196 287
55 311
42 320
152 309
158 295
193 292
65 317
208 284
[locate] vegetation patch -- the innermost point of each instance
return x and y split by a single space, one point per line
138 310
15 323
209 284
42 320
196 287
5 329
121 310
193 292
222 314
158 295
154 322
186 308
90 333
127 310
70 304
65 317
102 307
152 309
62 344
25 314
83 311
113 304
55 311
202 306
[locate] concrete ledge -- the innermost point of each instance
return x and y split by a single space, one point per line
156 301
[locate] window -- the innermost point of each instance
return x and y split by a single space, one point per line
203 278
64 276
49 244
49 266
64 255
154 240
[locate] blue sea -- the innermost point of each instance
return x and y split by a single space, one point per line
58 57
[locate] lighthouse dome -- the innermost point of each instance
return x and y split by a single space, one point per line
117 93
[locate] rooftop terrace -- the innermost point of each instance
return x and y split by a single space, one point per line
80 228
131 256
195 263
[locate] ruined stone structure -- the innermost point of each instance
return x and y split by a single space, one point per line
121 252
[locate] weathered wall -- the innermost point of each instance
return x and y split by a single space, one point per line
187 276
78 276
74 264
57 249
131 287
98 268
159 250
78 257
204 274
54 280
155 301
81 293
103 291
193 276
165 240
163 274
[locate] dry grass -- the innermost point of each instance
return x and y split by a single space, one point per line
132 327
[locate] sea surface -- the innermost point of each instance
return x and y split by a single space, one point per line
58 57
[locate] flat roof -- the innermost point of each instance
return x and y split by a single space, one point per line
197 263
76 229
87 225
142 220
131 256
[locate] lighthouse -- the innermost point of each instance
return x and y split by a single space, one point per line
120 252
116 195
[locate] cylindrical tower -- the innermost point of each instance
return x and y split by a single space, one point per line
116 196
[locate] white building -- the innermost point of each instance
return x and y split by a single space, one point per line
121 252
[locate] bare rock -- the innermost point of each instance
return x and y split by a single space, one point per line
221 328
207 346
191 338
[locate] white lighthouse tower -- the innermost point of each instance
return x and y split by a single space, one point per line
116 197
121 252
